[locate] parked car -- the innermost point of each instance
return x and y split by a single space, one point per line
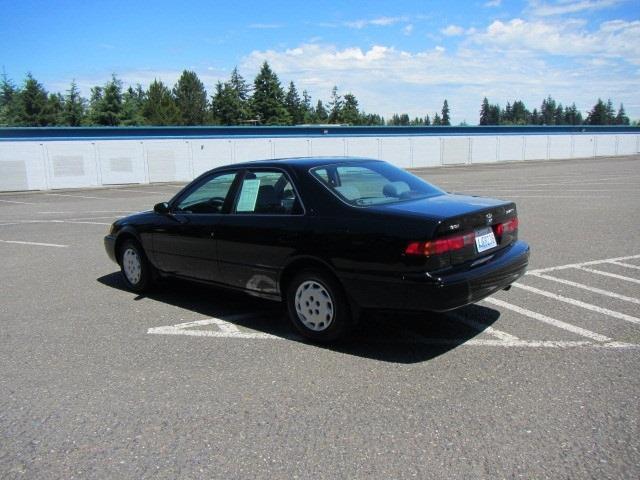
329 236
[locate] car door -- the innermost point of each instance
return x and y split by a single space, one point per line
185 242
266 226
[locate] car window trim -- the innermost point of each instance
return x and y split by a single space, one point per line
244 173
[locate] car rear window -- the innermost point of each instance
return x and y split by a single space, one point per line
373 183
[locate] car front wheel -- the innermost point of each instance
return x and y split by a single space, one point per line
318 307
136 269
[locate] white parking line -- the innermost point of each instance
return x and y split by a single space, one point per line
226 329
550 321
140 191
481 327
609 274
35 243
75 196
582 264
626 265
578 303
229 330
21 203
587 287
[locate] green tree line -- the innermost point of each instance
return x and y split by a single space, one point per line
551 113
265 101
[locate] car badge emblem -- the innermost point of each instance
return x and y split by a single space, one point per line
489 218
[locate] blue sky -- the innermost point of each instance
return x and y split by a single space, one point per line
401 56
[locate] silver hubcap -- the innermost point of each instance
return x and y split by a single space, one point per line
314 306
131 265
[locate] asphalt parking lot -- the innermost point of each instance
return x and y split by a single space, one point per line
193 382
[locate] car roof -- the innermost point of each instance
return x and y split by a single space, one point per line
305 162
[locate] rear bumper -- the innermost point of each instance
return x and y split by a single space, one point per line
451 290
110 247
471 285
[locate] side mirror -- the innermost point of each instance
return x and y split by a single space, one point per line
162 208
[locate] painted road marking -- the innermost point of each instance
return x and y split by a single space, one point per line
229 330
21 203
626 265
75 196
578 303
225 329
608 274
583 264
35 243
587 287
139 191
548 320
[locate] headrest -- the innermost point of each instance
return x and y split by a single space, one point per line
395 189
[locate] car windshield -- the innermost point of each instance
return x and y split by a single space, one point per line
373 183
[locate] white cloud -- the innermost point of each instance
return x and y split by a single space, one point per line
561 7
617 38
490 63
378 22
492 3
408 29
452 30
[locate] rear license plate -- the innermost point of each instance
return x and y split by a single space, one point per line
485 239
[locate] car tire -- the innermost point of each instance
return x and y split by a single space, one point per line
137 272
318 307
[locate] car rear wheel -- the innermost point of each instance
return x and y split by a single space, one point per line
317 306
136 269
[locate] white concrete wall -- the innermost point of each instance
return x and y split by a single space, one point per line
26 165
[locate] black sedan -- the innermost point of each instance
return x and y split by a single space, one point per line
329 236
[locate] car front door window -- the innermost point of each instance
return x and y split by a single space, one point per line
208 197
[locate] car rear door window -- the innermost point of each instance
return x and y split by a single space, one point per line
267 192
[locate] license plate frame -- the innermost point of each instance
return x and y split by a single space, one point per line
485 239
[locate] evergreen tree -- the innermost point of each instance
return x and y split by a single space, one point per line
485 114
494 115
159 107
427 121
507 115
535 117
191 99
349 113
106 103
519 113
611 114
54 110
132 105
548 111
436 120
598 114
558 117
321 115
335 106
572 116
621 117
32 104
230 103
73 106
268 98
307 109
445 113
294 105
8 101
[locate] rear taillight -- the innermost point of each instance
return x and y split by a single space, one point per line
509 226
441 245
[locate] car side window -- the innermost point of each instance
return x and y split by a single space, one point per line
208 197
267 192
